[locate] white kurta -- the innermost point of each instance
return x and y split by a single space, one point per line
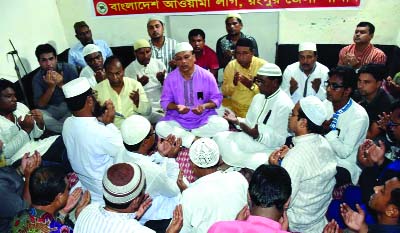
271 114
161 175
91 147
95 219
16 141
215 197
311 164
353 126
293 71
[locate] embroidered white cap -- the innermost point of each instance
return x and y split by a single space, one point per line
134 129
183 46
270 70
314 109
307 46
204 153
141 43
123 182
76 87
89 49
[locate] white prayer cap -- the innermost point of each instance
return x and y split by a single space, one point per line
307 46
152 18
76 87
204 153
233 15
89 49
314 109
141 43
270 70
123 182
134 129
183 46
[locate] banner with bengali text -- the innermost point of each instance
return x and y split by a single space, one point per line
132 7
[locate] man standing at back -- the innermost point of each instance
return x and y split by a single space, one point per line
362 51
205 56
226 44
84 35
162 47
305 77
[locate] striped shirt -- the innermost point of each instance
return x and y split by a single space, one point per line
165 53
369 55
94 218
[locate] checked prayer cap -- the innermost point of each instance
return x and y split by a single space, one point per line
89 49
314 109
233 15
141 43
134 129
270 70
123 182
204 153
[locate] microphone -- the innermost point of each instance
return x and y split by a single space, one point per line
12 52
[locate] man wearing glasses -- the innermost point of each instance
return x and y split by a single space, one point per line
265 127
347 123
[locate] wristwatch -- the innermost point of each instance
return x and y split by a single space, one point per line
253 86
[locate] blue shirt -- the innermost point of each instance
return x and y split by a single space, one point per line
75 56
39 86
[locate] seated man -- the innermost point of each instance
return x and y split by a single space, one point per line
311 164
14 191
124 194
161 169
226 45
84 35
238 87
21 128
189 97
362 52
347 123
127 94
205 56
386 202
91 139
150 72
46 85
265 127
304 78
215 195
374 99
94 71
269 192
51 202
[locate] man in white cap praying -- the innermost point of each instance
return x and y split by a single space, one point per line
162 47
161 169
124 193
150 72
311 164
91 138
265 127
190 96
307 76
127 94
215 195
226 45
94 71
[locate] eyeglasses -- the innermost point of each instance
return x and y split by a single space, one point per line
334 86
151 133
258 80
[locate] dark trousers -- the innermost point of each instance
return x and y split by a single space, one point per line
158 226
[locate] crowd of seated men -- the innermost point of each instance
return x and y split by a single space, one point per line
160 146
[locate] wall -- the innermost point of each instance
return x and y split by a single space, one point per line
28 23
337 27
